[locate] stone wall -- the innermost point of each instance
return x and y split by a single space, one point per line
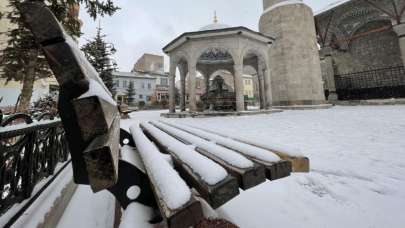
376 50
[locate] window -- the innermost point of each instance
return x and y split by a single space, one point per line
140 96
118 83
163 81
143 85
125 84
149 86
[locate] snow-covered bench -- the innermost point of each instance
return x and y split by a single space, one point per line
202 164
214 166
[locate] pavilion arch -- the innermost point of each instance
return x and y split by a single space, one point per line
363 15
227 75
211 49
223 47
258 60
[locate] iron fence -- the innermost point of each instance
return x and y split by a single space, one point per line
372 84
29 152
385 77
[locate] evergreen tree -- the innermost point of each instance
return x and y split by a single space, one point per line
131 93
99 53
22 59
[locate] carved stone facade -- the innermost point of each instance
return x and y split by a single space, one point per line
361 49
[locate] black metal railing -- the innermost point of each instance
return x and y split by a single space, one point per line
372 84
385 77
29 152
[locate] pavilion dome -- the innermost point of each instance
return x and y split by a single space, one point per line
215 25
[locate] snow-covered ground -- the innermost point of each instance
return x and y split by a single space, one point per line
357 176
86 210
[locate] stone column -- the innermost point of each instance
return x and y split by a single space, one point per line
183 74
172 87
268 89
240 100
192 74
329 73
262 89
207 83
207 89
400 30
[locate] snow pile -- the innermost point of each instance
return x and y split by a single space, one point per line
243 148
209 171
137 215
96 89
173 189
229 156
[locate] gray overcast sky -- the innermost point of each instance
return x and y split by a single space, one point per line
145 26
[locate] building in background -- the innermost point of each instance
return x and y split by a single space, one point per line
154 65
361 44
149 63
144 85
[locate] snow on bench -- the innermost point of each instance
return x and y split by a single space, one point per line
275 167
248 173
178 206
212 181
300 163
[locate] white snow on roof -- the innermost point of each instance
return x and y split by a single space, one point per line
214 26
331 6
285 3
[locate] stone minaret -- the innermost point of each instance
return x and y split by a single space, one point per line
294 59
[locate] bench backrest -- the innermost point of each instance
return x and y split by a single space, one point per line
89 114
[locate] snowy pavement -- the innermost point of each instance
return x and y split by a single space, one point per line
357 174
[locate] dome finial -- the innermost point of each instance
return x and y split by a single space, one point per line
215 17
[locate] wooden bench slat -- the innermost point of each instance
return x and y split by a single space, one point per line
300 164
247 177
275 169
188 212
215 195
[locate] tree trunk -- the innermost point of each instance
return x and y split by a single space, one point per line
28 83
